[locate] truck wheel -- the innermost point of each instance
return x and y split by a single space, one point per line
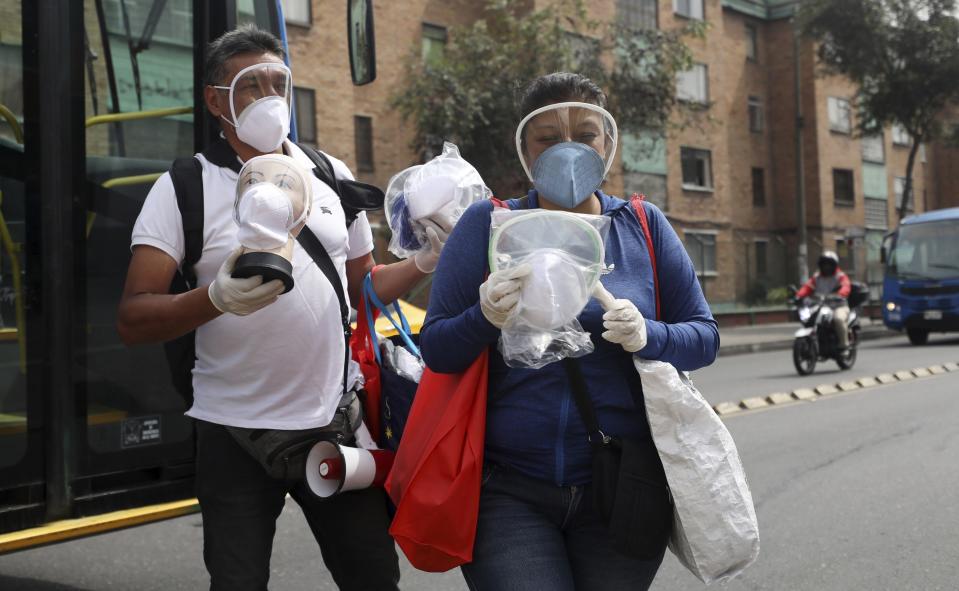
918 336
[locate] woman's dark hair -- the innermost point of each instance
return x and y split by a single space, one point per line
243 39
560 87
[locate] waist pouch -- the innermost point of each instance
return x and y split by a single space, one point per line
631 496
282 452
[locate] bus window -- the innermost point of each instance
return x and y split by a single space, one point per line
14 469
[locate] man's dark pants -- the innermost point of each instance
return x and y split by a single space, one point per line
240 504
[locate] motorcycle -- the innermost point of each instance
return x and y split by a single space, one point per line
817 339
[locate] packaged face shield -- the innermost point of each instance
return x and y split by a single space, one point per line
259 97
567 174
566 253
274 198
444 186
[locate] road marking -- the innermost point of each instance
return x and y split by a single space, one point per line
809 394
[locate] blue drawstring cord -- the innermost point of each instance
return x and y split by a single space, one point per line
402 327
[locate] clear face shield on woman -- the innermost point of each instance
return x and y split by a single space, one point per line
566 150
259 98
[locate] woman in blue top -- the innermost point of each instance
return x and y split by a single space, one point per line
537 527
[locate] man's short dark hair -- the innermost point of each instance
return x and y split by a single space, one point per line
243 39
560 87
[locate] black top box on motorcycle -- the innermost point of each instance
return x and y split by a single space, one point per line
859 294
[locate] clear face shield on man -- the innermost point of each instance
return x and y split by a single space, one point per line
274 198
259 97
566 150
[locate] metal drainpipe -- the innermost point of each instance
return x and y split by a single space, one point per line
801 259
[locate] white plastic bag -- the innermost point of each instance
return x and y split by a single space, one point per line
715 532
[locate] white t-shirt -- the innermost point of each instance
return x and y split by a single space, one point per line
282 366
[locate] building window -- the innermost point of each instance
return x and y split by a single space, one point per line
899 188
363 131
877 213
693 85
843 187
701 247
689 8
900 137
755 114
873 149
304 102
761 266
697 169
759 187
434 43
637 14
752 42
298 12
840 115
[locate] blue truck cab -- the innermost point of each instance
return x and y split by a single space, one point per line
921 280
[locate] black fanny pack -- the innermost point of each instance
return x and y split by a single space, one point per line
629 487
282 452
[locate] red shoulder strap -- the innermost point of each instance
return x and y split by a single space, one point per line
637 202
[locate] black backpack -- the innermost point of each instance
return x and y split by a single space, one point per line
186 174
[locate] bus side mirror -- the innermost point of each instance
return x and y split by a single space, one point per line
359 22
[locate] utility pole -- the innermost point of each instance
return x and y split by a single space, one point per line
801 259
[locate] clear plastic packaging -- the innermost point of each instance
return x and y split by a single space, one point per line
566 252
446 185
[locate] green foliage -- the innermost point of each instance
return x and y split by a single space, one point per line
778 295
470 97
903 54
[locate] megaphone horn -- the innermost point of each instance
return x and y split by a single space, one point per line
332 468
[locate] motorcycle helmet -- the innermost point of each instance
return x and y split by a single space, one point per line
828 263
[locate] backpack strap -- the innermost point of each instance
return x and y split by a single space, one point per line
354 195
187 177
637 202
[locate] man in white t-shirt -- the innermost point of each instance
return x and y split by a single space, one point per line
265 359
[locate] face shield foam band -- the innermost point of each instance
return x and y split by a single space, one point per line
609 128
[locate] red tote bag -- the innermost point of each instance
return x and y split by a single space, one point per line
435 480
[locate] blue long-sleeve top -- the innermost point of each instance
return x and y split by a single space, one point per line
532 421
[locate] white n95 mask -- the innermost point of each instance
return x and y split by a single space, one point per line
274 198
260 105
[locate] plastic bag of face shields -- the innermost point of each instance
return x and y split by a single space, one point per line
446 184
566 254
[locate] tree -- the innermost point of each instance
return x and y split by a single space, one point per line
903 55
470 95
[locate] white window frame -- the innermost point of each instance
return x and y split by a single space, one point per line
900 137
292 9
303 94
432 33
691 9
708 169
694 235
870 144
756 115
638 11
693 85
840 115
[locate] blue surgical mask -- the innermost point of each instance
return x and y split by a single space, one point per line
568 173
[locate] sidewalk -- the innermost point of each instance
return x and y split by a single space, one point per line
769 337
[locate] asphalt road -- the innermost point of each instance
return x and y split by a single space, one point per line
735 377
853 491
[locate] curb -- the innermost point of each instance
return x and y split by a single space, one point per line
724 409
781 344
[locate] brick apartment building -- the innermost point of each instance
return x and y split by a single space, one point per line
728 186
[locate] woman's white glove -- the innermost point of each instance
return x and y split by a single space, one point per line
623 322
438 228
241 296
499 294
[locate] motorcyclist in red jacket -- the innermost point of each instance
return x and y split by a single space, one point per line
831 279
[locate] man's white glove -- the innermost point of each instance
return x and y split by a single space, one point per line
438 228
623 322
499 294
241 296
